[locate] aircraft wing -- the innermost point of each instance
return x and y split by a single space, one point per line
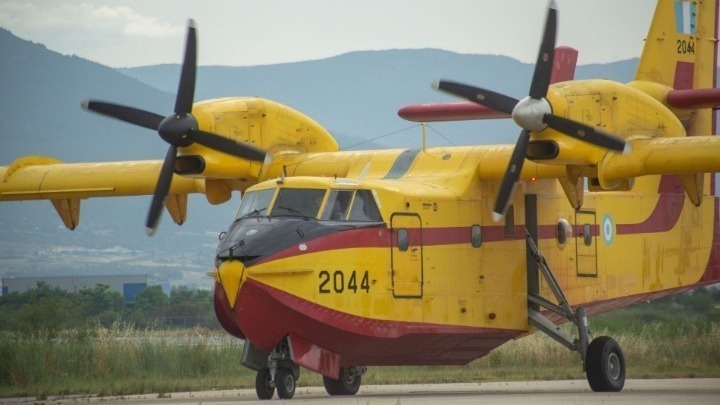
683 155
687 157
43 178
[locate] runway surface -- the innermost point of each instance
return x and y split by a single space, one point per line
676 391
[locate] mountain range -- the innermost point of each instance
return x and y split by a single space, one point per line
355 96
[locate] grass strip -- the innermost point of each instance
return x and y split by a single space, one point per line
123 360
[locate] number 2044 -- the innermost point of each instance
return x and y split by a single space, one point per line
339 282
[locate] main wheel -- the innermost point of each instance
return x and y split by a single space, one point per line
264 386
605 365
347 384
285 383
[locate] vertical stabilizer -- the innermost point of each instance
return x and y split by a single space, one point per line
681 52
680 47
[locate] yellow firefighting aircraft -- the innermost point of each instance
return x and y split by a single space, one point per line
341 260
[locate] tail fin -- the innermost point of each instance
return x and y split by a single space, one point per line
681 52
680 49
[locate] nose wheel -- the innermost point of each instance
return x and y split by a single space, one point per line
274 372
285 382
264 385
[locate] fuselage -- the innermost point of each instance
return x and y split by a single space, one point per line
430 278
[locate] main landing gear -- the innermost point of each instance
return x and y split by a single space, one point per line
603 360
278 372
347 384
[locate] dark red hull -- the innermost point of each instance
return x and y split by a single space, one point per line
272 314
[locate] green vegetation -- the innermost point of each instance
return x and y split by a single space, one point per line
672 337
50 309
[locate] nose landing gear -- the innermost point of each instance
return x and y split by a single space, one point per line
276 371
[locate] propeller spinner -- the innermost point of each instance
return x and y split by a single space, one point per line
533 113
179 129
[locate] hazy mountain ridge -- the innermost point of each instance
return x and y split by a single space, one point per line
356 96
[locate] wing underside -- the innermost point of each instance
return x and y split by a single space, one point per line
42 178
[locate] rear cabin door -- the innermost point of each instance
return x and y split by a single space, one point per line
586 243
406 255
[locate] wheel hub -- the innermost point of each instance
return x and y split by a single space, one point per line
613 365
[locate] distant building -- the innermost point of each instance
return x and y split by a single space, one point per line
128 285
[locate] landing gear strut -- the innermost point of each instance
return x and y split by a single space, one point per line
603 360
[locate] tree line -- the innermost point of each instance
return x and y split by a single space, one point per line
51 309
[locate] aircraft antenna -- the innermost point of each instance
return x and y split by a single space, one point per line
423 135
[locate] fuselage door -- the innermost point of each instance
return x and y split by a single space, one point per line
406 255
586 243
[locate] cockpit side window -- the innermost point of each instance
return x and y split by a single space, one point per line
364 207
255 203
337 205
298 201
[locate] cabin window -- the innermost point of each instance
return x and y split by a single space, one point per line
364 207
587 235
563 232
476 236
255 203
298 201
403 239
337 205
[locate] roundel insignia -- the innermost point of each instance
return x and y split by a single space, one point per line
608 229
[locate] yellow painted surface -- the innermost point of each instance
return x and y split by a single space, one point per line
445 191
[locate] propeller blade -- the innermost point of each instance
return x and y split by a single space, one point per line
584 132
512 174
225 145
161 190
490 99
132 115
543 67
186 87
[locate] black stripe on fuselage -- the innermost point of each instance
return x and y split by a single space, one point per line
253 239
402 163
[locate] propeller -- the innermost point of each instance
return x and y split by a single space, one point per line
179 129
533 113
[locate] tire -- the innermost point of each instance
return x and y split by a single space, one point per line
264 387
605 365
285 383
347 384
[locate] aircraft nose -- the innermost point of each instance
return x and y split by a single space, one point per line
230 274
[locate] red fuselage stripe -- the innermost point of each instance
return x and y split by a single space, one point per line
663 218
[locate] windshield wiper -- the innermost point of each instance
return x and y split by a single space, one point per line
292 211
251 213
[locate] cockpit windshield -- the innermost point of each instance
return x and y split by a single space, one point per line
341 205
298 201
255 203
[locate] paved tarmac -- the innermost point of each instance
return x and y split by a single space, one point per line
675 391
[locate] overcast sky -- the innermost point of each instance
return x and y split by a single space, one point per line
257 32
